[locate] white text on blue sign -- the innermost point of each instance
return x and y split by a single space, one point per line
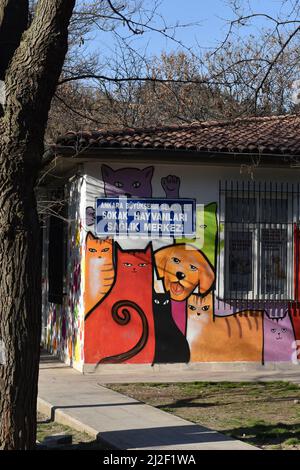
148 218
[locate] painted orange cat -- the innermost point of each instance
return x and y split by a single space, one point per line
99 270
237 337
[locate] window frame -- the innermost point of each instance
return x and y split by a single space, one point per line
225 227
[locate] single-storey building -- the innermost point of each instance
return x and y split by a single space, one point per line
173 245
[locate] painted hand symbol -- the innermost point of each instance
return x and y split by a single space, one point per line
171 184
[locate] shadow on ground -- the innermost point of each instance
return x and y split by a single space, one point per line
267 434
92 445
165 436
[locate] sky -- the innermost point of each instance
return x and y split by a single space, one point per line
212 16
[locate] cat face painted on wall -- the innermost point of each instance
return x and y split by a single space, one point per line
279 332
199 315
162 302
278 338
97 249
198 306
130 182
134 265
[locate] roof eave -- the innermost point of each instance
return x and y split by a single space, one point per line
175 155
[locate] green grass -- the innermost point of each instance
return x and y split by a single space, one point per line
292 441
265 434
261 413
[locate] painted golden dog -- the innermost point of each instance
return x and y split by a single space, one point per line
183 267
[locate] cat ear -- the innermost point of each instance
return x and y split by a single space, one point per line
118 246
90 236
148 172
107 172
148 249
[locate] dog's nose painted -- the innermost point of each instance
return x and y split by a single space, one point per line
180 275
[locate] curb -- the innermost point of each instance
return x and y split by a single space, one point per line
61 417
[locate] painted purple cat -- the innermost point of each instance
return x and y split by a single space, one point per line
130 182
278 338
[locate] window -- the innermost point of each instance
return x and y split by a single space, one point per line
257 227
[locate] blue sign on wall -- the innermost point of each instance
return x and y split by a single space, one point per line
148 218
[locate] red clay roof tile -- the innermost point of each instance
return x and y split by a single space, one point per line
275 134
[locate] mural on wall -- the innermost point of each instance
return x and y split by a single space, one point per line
278 338
63 324
90 214
170 342
294 307
120 328
294 314
236 337
128 182
159 306
183 268
206 231
171 185
132 182
99 269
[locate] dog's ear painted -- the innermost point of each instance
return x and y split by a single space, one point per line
161 258
206 274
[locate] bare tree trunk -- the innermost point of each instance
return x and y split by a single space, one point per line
20 304
11 12
30 80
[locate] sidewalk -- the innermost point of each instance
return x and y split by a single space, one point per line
81 402
211 373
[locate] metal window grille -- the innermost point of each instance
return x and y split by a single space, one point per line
258 235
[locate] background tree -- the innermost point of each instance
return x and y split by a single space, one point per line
178 88
251 72
274 50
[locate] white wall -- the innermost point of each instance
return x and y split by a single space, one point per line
197 181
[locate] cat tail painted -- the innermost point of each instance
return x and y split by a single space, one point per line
123 318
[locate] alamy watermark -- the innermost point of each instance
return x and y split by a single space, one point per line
2 353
